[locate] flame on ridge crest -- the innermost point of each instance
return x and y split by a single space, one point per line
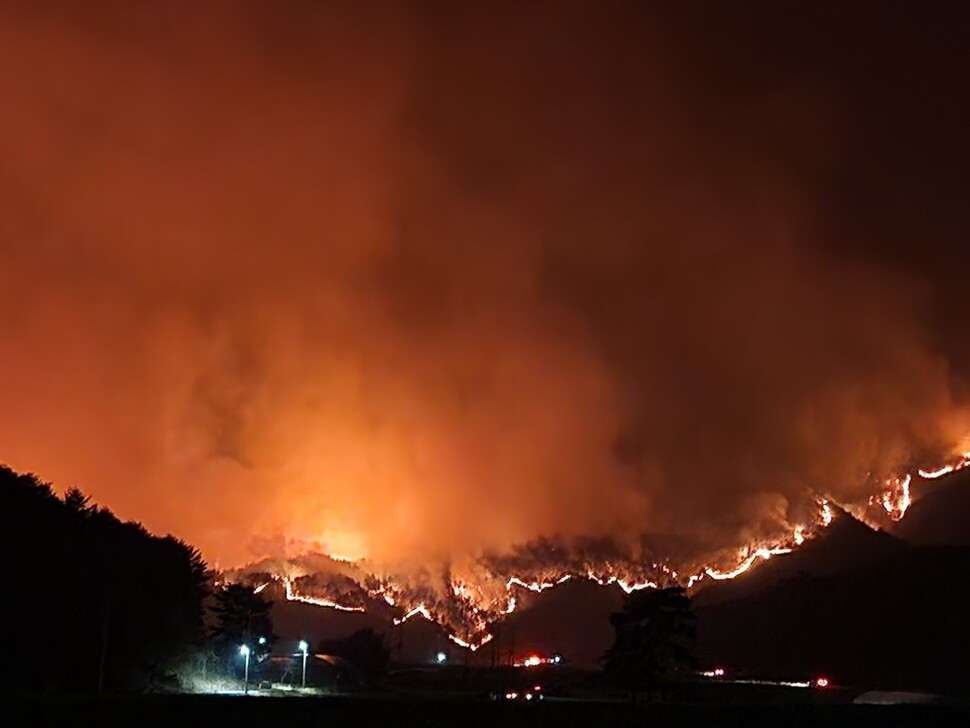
478 610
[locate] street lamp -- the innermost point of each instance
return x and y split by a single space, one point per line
303 648
244 651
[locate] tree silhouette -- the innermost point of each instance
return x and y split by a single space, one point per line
99 605
242 617
654 642
364 649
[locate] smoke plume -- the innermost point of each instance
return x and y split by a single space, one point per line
423 284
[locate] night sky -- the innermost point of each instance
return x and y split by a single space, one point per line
415 280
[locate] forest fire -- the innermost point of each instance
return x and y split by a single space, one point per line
896 499
469 606
946 469
431 314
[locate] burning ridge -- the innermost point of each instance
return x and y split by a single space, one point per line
466 599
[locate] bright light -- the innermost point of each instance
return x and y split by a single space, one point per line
244 650
556 659
821 682
262 640
441 657
528 696
303 646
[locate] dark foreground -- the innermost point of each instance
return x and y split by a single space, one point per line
292 712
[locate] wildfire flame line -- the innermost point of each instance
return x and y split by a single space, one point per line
895 499
763 553
292 596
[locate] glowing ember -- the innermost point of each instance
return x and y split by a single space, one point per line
511 606
534 585
896 498
535 661
764 554
292 596
486 638
693 579
946 469
825 513
472 603
420 609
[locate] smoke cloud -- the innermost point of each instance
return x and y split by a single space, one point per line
424 283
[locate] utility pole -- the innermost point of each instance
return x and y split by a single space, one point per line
304 647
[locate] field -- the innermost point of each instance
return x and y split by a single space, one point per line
292 712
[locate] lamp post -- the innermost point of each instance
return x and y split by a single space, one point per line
244 651
303 648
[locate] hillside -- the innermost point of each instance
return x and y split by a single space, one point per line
846 545
941 515
898 624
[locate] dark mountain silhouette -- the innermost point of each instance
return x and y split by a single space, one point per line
296 620
859 606
846 545
898 624
571 619
862 606
941 516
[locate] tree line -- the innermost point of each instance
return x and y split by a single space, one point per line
91 604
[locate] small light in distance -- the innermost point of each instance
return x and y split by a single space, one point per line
556 659
718 672
441 657
303 646
262 640
821 682
244 650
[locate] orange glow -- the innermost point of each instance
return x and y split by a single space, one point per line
535 585
471 630
821 682
535 661
237 272
946 469
420 609
895 499
292 596
825 513
473 646
762 553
